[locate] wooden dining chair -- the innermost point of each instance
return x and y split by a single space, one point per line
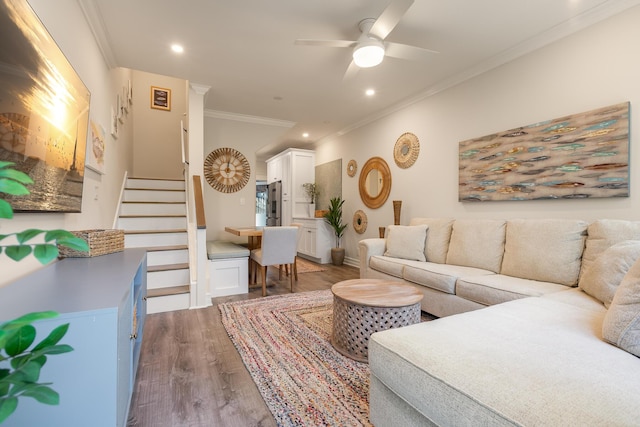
295 261
279 247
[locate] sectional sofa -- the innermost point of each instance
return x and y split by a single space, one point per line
539 323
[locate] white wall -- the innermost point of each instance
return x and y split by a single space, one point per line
157 152
66 23
224 209
596 67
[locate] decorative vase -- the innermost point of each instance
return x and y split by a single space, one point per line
381 232
337 256
397 205
312 210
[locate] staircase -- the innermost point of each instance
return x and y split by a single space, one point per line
153 216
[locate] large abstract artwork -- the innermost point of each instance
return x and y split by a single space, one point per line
44 113
580 156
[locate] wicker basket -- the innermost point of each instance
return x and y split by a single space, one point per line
101 242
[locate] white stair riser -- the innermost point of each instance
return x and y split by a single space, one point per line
168 303
156 239
165 279
155 208
153 223
153 196
155 184
179 256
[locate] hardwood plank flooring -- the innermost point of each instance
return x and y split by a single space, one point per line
190 373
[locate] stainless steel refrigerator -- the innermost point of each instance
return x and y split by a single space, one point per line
274 204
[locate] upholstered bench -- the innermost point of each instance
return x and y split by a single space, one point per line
228 268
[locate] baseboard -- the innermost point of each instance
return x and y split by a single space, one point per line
353 262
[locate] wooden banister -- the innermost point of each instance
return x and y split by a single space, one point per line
201 222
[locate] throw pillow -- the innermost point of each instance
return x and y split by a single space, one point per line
621 326
604 274
406 241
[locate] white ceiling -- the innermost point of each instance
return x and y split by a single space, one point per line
244 50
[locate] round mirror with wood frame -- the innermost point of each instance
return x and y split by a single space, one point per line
375 182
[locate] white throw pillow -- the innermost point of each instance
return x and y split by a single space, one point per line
621 326
604 274
406 241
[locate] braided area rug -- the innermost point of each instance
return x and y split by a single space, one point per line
284 343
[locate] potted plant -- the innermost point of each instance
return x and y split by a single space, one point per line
334 218
312 190
20 360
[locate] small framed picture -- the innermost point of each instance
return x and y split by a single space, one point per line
160 98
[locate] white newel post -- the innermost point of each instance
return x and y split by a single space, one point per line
200 294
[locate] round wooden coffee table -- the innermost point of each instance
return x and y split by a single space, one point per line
364 306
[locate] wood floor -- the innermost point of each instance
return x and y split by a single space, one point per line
190 374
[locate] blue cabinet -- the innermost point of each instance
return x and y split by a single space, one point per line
103 300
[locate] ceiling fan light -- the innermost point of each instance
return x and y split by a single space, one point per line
368 55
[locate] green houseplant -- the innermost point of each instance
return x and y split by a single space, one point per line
20 360
312 190
334 218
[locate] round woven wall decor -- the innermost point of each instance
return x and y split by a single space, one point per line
352 167
406 150
227 170
360 221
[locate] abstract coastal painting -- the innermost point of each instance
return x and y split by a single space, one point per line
44 113
580 156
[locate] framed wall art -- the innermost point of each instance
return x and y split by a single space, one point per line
580 156
95 153
160 98
44 113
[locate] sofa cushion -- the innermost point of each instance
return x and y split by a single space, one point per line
438 236
533 361
496 289
604 233
621 325
548 250
477 243
388 265
604 274
441 277
577 297
406 242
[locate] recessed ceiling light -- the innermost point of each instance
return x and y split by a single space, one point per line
370 92
177 48
305 135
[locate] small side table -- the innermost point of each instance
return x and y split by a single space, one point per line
364 306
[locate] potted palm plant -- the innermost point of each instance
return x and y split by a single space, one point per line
334 218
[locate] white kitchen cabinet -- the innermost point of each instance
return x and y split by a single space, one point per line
293 167
316 239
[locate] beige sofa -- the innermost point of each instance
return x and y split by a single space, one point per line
542 333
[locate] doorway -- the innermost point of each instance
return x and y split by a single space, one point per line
261 203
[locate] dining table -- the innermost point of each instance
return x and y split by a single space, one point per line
253 234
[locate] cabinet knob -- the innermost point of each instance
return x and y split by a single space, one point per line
133 336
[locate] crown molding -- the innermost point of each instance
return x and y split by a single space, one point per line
96 24
215 114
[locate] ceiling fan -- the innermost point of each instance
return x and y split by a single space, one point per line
371 48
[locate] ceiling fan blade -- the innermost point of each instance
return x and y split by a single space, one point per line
351 72
405 51
326 43
389 18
